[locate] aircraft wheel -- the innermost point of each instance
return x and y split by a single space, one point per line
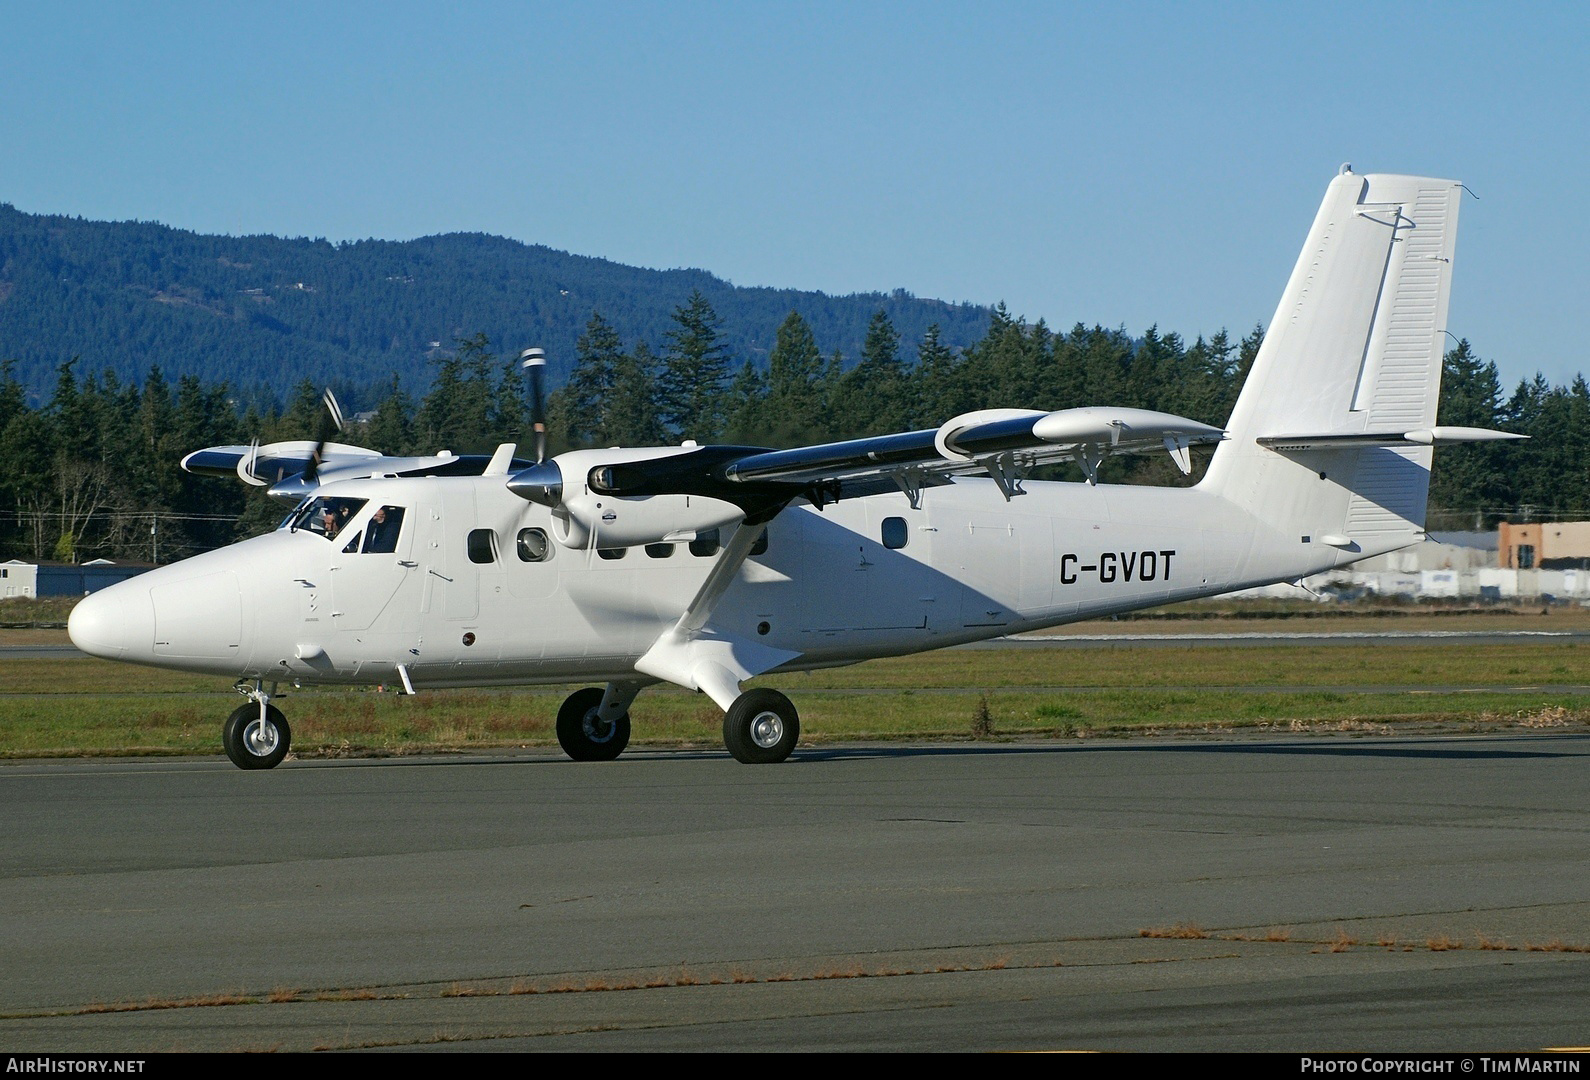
581 732
761 727
253 745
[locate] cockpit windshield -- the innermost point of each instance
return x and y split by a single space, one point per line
324 516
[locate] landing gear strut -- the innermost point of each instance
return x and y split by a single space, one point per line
589 732
761 727
256 735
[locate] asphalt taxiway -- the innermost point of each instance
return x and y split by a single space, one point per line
1255 894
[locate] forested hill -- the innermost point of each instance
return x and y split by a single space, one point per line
264 311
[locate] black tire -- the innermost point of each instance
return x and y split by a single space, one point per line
581 732
761 727
241 735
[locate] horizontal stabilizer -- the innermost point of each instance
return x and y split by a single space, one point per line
1435 436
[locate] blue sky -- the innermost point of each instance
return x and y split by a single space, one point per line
1128 163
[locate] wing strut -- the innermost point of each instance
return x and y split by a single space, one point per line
689 655
720 577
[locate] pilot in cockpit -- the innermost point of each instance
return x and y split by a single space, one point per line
382 533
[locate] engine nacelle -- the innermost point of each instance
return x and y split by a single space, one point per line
611 521
580 487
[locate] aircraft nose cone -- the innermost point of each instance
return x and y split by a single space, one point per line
113 622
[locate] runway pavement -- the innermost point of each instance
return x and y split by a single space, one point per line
1298 894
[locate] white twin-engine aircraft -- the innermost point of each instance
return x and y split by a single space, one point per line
707 566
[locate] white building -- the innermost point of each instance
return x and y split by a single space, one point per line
18 578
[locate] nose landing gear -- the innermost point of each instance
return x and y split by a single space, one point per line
256 735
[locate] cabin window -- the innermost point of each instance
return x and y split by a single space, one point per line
533 545
612 553
381 532
894 532
660 551
352 545
708 541
482 546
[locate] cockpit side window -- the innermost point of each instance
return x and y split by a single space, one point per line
324 516
381 533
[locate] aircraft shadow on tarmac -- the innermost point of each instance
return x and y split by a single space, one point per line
1437 749
1364 749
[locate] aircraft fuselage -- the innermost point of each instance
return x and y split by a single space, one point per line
473 592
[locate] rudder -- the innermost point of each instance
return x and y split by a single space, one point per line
1350 365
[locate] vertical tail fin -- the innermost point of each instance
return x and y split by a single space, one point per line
1354 353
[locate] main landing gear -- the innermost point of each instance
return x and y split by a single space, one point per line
760 728
589 732
256 735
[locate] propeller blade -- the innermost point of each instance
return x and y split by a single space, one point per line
330 425
333 409
246 467
535 363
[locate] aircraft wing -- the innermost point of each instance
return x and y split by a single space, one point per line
1004 443
284 468
263 465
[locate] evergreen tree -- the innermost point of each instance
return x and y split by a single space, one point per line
747 399
303 418
391 430
1468 478
1153 375
872 398
1014 365
1104 357
1213 385
1528 412
793 412
633 412
510 408
1247 352
455 415
935 381
477 417
588 394
695 369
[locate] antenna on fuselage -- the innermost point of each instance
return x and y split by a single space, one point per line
535 364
